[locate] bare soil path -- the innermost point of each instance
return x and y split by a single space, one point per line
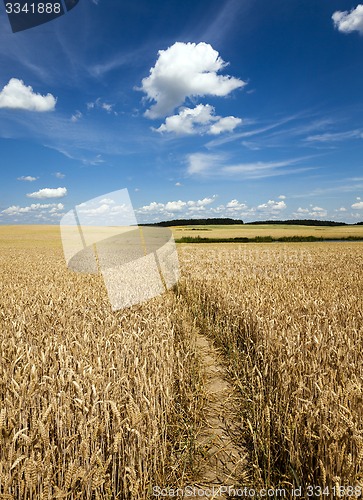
223 461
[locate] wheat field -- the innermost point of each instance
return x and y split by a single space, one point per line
96 404
93 404
289 319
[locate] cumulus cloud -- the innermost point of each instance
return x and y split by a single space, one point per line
235 205
318 209
152 207
349 21
106 207
312 211
185 70
49 193
198 120
27 178
226 124
16 209
177 206
272 205
16 95
358 206
184 122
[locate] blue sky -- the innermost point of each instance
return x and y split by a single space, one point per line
227 108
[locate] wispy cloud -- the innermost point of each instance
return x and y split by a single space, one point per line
342 187
212 165
27 178
76 116
336 136
217 28
252 132
289 131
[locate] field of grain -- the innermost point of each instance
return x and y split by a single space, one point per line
93 403
276 231
289 319
96 404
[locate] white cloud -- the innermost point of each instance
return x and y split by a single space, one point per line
202 163
273 205
178 184
93 161
349 21
59 175
319 213
253 146
282 197
49 193
312 211
16 209
16 95
27 178
235 205
184 121
341 209
102 209
76 116
213 165
226 124
177 206
198 121
108 201
201 203
336 136
318 209
98 103
107 107
152 207
185 70
358 206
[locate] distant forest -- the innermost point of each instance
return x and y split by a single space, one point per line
196 222
227 221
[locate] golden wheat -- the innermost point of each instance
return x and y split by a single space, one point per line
96 404
290 321
90 400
